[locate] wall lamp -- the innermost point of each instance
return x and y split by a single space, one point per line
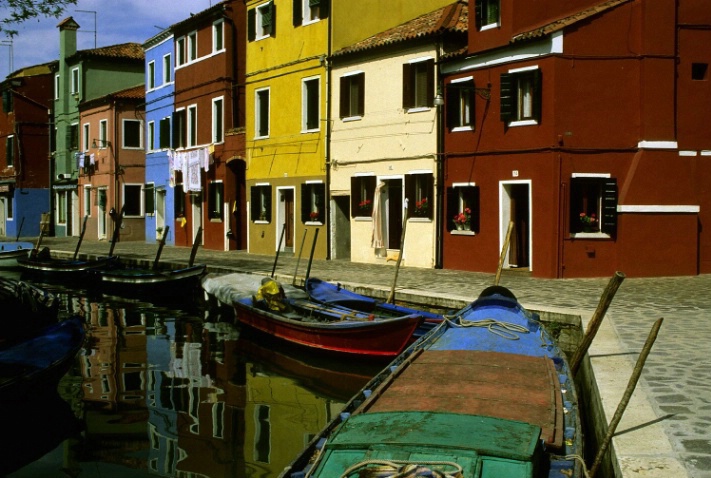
102 142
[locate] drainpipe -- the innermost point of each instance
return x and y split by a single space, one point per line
327 147
50 180
439 161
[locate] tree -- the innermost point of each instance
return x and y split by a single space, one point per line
18 11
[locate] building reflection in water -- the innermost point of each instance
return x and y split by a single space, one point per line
192 395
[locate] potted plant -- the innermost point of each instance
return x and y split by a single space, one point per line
463 220
421 208
589 222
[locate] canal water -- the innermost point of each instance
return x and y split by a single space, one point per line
175 390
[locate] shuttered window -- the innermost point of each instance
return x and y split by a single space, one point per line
313 202
352 96
418 84
362 195
593 205
521 95
261 203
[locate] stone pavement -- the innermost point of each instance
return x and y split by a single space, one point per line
666 429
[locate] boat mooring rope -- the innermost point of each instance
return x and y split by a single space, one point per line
506 330
577 458
404 469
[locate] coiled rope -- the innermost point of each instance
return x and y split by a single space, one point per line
404 469
506 330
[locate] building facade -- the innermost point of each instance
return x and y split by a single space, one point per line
24 149
207 139
384 164
82 76
586 151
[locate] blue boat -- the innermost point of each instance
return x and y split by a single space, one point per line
11 251
486 394
35 365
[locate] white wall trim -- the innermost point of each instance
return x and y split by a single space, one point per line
651 208
657 144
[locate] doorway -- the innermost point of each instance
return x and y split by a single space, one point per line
101 201
160 211
196 209
516 209
285 218
3 208
341 245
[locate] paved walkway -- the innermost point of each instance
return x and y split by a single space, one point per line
666 430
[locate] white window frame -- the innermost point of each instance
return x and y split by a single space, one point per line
305 104
56 87
103 131
258 114
140 197
75 81
191 121
87 200
151 75
487 4
307 13
259 14
464 105
218 32
415 84
85 130
123 133
151 136
520 108
180 51
192 47
349 93
218 120
167 69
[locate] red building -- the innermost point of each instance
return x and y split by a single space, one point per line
208 122
585 125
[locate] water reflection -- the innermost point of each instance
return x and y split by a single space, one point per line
180 392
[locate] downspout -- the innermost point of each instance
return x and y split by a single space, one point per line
50 179
327 64
439 161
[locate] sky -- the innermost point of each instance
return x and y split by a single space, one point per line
117 21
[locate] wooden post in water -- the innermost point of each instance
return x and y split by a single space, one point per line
81 236
596 320
19 229
301 249
276 257
391 297
626 397
161 243
311 257
504 250
196 244
117 229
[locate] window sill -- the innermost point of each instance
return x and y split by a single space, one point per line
351 118
523 123
313 223
215 220
490 26
418 109
456 129
305 131
261 222
456 232
363 218
419 219
590 235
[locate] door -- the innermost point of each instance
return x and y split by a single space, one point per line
516 209
101 201
286 218
3 208
393 207
342 225
196 206
160 211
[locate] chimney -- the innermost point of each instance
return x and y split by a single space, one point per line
67 38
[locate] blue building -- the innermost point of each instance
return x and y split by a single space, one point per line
160 89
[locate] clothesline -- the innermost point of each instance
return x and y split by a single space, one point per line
189 164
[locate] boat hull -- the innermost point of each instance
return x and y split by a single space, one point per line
147 282
10 252
65 269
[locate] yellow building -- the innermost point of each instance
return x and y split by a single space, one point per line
286 96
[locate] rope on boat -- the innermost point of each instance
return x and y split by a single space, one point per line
577 458
506 330
404 469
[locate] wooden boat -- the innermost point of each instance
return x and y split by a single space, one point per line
485 394
11 251
333 329
34 366
333 294
29 307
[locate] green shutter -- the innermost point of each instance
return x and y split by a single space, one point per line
407 93
298 14
537 95
254 203
508 105
305 202
478 13
251 25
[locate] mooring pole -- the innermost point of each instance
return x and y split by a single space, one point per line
276 258
504 249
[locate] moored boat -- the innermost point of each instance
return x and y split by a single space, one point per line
148 282
35 365
11 251
27 308
487 393
52 268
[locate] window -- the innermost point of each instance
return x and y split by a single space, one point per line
309 11
262 434
179 204
10 150
463 207
131 133
61 202
7 100
179 129
418 84
310 106
460 104
75 81
521 96
192 47
593 204
103 128
192 125
56 87
352 100
151 135
167 69
85 137
261 22
73 140
487 14
362 194
149 190
215 200
218 129
132 203
262 113
261 203
699 71
151 75
180 51
218 37
87 200
313 202
418 191
164 133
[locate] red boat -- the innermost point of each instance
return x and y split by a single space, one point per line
330 328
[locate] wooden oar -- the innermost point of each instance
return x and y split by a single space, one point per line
504 249
301 249
19 229
596 320
311 257
626 397
196 244
160 247
276 257
117 230
391 297
81 237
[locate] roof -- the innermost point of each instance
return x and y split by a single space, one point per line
196 17
567 21
133 93
126 51
451 18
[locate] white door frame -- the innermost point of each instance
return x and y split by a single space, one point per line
281 216
505 215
